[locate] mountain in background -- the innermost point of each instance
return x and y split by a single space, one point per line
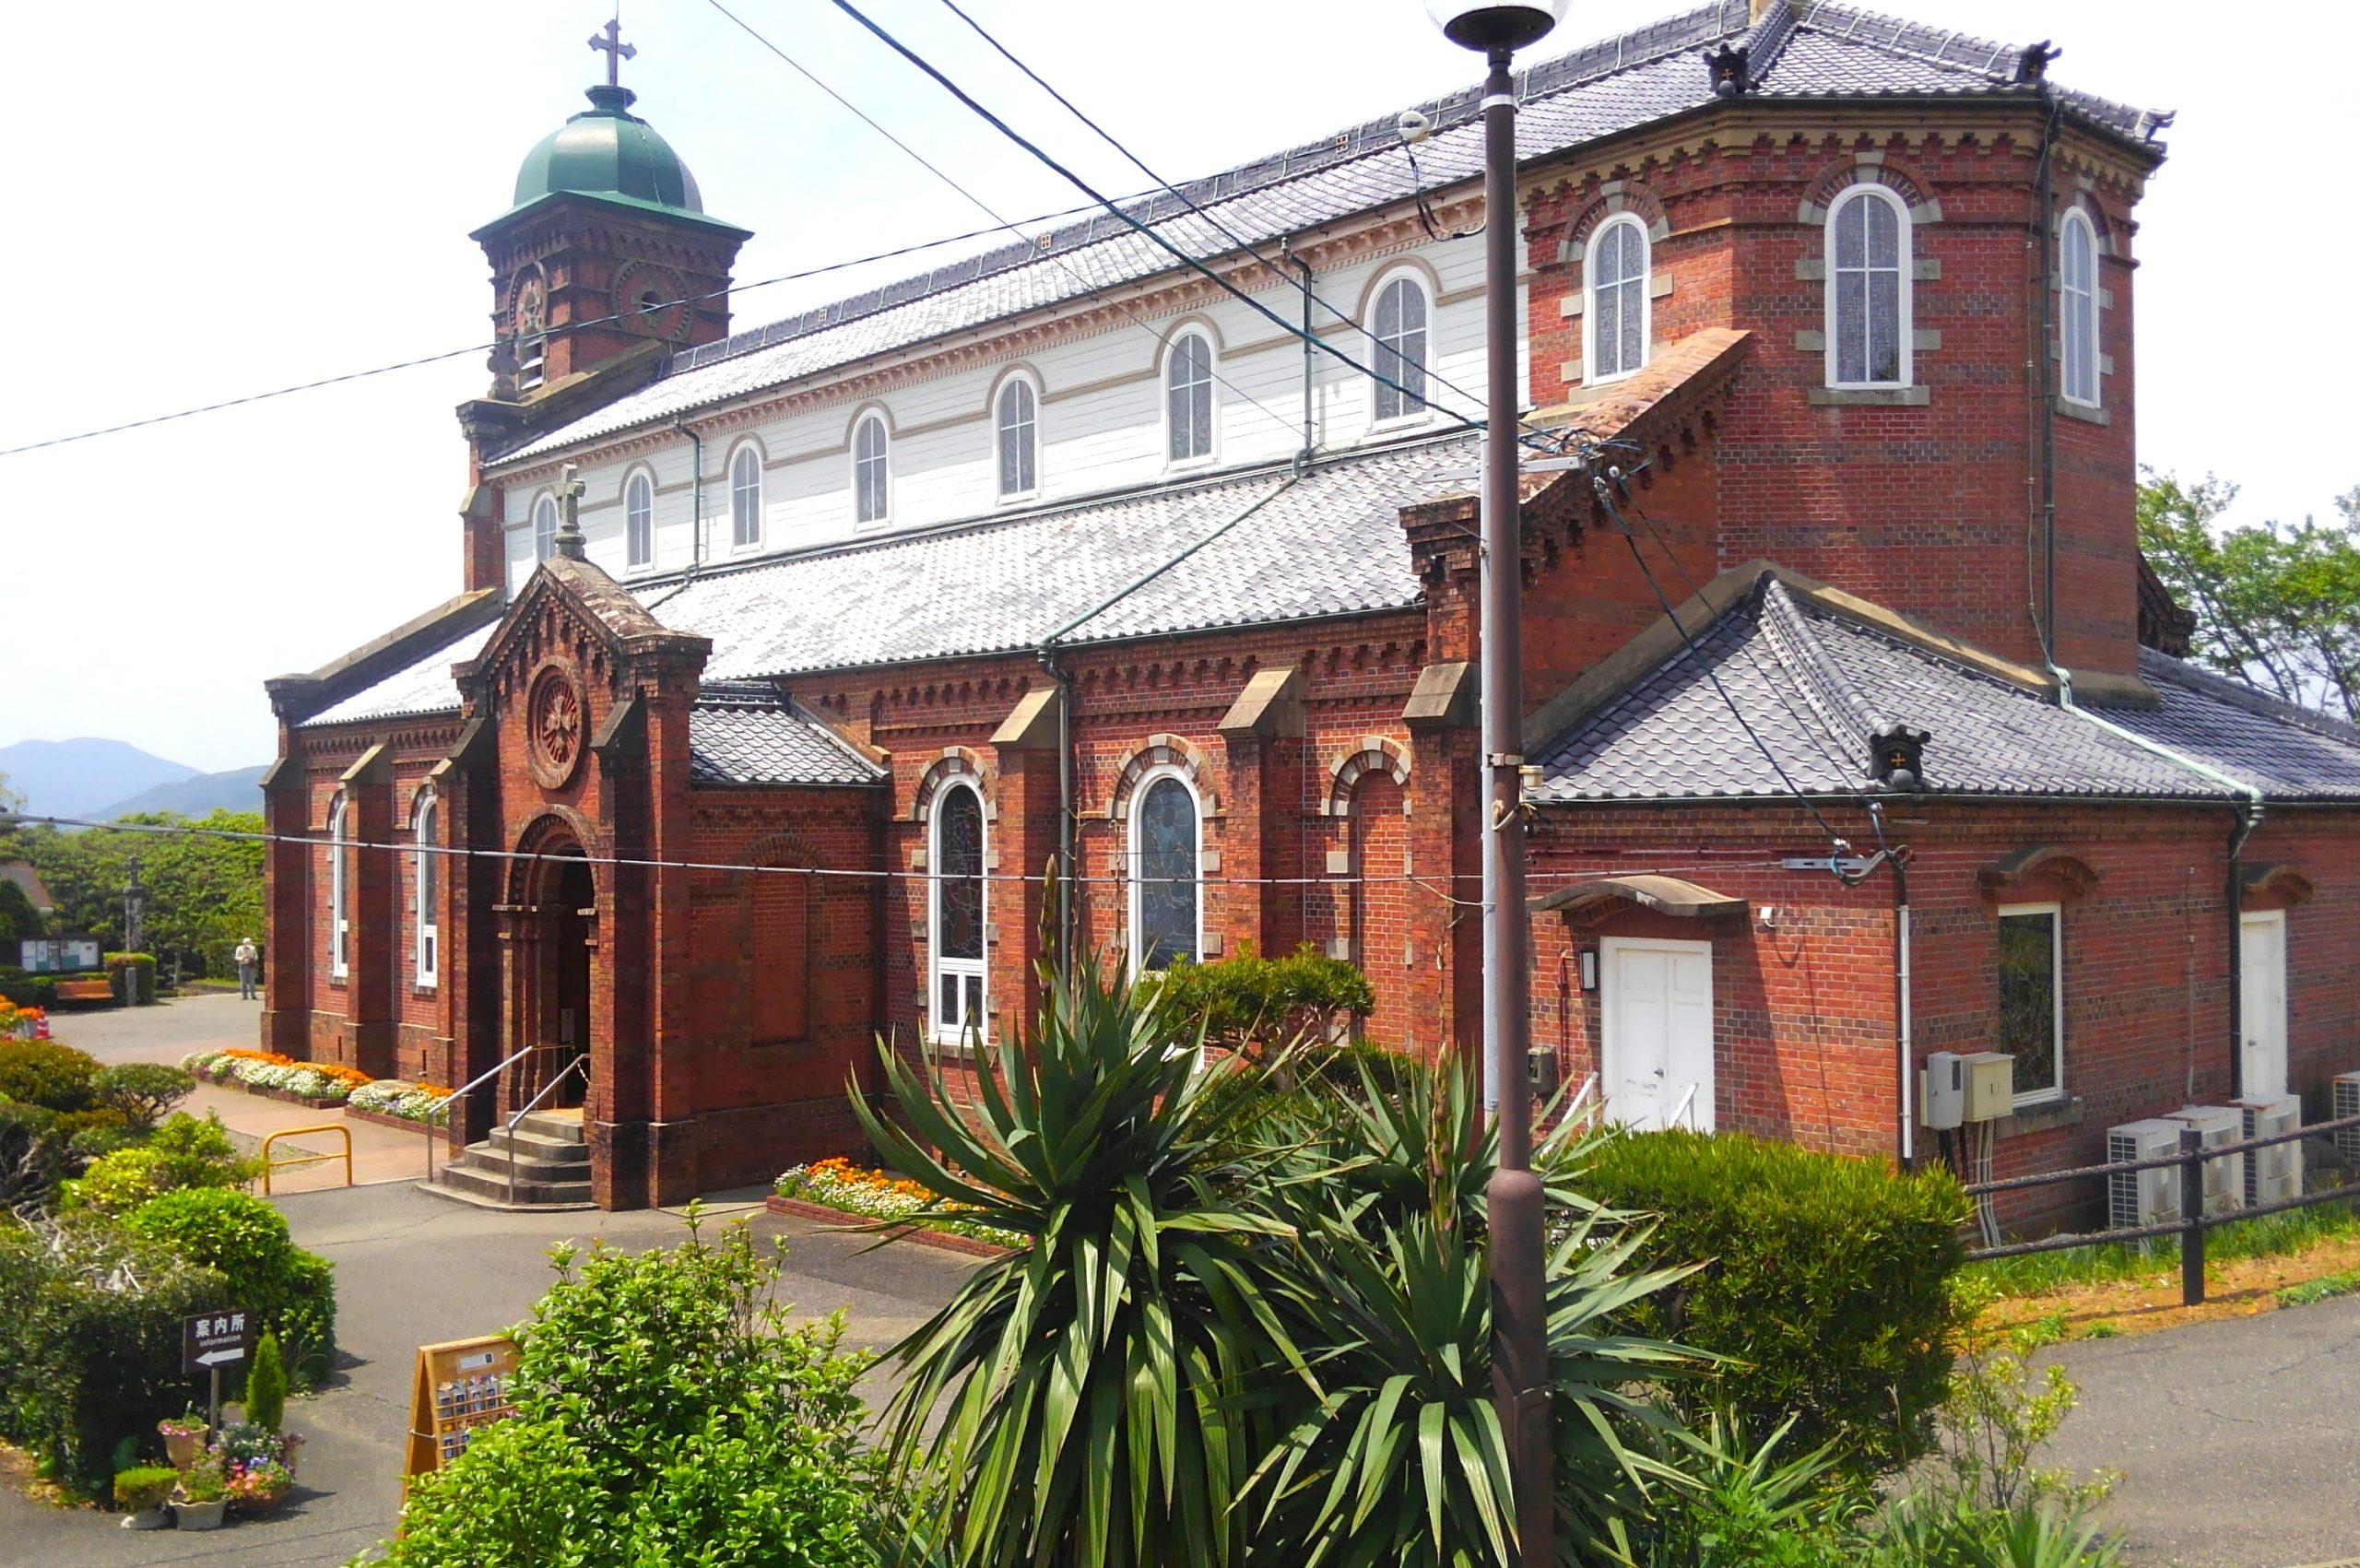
238 789
83 777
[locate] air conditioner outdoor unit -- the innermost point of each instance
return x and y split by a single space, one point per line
2224 1179
2346 1102
2141 1197
2276 1171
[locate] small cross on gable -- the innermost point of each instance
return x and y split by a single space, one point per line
608 40
568 503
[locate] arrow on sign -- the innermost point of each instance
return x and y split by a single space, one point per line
219 1358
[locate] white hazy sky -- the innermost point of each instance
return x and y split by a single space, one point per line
218 200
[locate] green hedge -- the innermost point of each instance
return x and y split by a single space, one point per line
28 990
44 1073
291 1291
1828 1282
134 977
1252 1004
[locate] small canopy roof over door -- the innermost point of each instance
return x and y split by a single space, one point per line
1666 895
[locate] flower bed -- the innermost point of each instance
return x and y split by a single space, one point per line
281 1077
390 1101
847 1189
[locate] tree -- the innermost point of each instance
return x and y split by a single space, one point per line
2275 604
204 893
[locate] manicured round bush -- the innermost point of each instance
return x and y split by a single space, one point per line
44 1073
241 1235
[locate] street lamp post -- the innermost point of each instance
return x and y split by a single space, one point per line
1518 1254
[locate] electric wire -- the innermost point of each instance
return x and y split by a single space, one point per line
1090 289
1189 202
997 226
1145 230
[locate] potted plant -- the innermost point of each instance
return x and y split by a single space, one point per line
140 1492
259 1487
204 1489
183 1436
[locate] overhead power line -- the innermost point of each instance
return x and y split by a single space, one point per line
1145 231
1249 246
998 225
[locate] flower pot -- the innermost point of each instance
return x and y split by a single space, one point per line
179 1447
146 1518
199 1515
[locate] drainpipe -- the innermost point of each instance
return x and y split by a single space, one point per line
696 495
1303 458
1904 1044
2041 352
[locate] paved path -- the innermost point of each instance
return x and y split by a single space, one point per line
2239 1439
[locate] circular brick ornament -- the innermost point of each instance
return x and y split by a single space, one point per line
556 717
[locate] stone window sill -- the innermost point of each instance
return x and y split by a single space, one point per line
2067 408
2043 1115
1870 397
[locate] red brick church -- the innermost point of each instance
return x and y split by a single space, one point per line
1059 554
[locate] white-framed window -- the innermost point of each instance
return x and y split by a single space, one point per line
1868 290
746 497
1188 398
543 526
1615 317
427 887
639 520
1167 860
339 930
957 904
1016 423
1398 323
2030 1020
872 480
2077 280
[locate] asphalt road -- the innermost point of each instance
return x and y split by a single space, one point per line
2238 1440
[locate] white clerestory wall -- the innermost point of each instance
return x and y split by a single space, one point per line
1101 423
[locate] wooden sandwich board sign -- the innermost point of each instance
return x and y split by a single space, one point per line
211 1340
461 1384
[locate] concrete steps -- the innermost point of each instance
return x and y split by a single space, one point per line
541 1165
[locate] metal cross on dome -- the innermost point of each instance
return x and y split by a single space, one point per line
608 40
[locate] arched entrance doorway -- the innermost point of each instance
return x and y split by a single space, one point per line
552 932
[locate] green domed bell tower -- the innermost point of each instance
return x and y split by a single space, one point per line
606 247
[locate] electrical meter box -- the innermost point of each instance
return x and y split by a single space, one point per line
1990 1084
1942 1091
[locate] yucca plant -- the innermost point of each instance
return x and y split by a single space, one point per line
1078 1402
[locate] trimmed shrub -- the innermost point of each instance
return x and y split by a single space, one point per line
1826 1280
267 1384
240 1234
184 1152
305 1319
143 1092
143 1486
134 977
28 990
44 1073
1253 1005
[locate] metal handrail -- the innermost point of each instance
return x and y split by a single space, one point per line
336 1127
1681 1109
1581 1095
474 1083
510 1126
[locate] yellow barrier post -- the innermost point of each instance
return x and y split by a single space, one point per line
268 1165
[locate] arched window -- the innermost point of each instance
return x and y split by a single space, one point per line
1189 397
1018 421
1616 312
871 480
545 527
2077 278
339 934
957 857
1400 332
1868 290
1167 905
639 520
428 881
746 498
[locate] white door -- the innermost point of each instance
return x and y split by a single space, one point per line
2262 1002
1657 1061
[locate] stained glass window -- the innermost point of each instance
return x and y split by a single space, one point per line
337 853
1168 887
1189 397
958 913
1618 300
1402 349
429 875
1020 451
1864 280
2030 1019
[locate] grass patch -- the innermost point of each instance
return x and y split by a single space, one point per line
2322 1288
2271 1235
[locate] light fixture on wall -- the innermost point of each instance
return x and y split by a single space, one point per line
1769 917
1589 969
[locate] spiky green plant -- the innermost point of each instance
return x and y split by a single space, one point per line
1086 1390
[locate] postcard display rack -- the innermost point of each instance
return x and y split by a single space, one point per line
461 1385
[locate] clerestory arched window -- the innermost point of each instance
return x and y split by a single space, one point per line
1868 290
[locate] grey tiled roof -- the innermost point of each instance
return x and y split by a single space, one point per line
1229 549
749 734
1598 90
424 686
2288 752
1815 685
